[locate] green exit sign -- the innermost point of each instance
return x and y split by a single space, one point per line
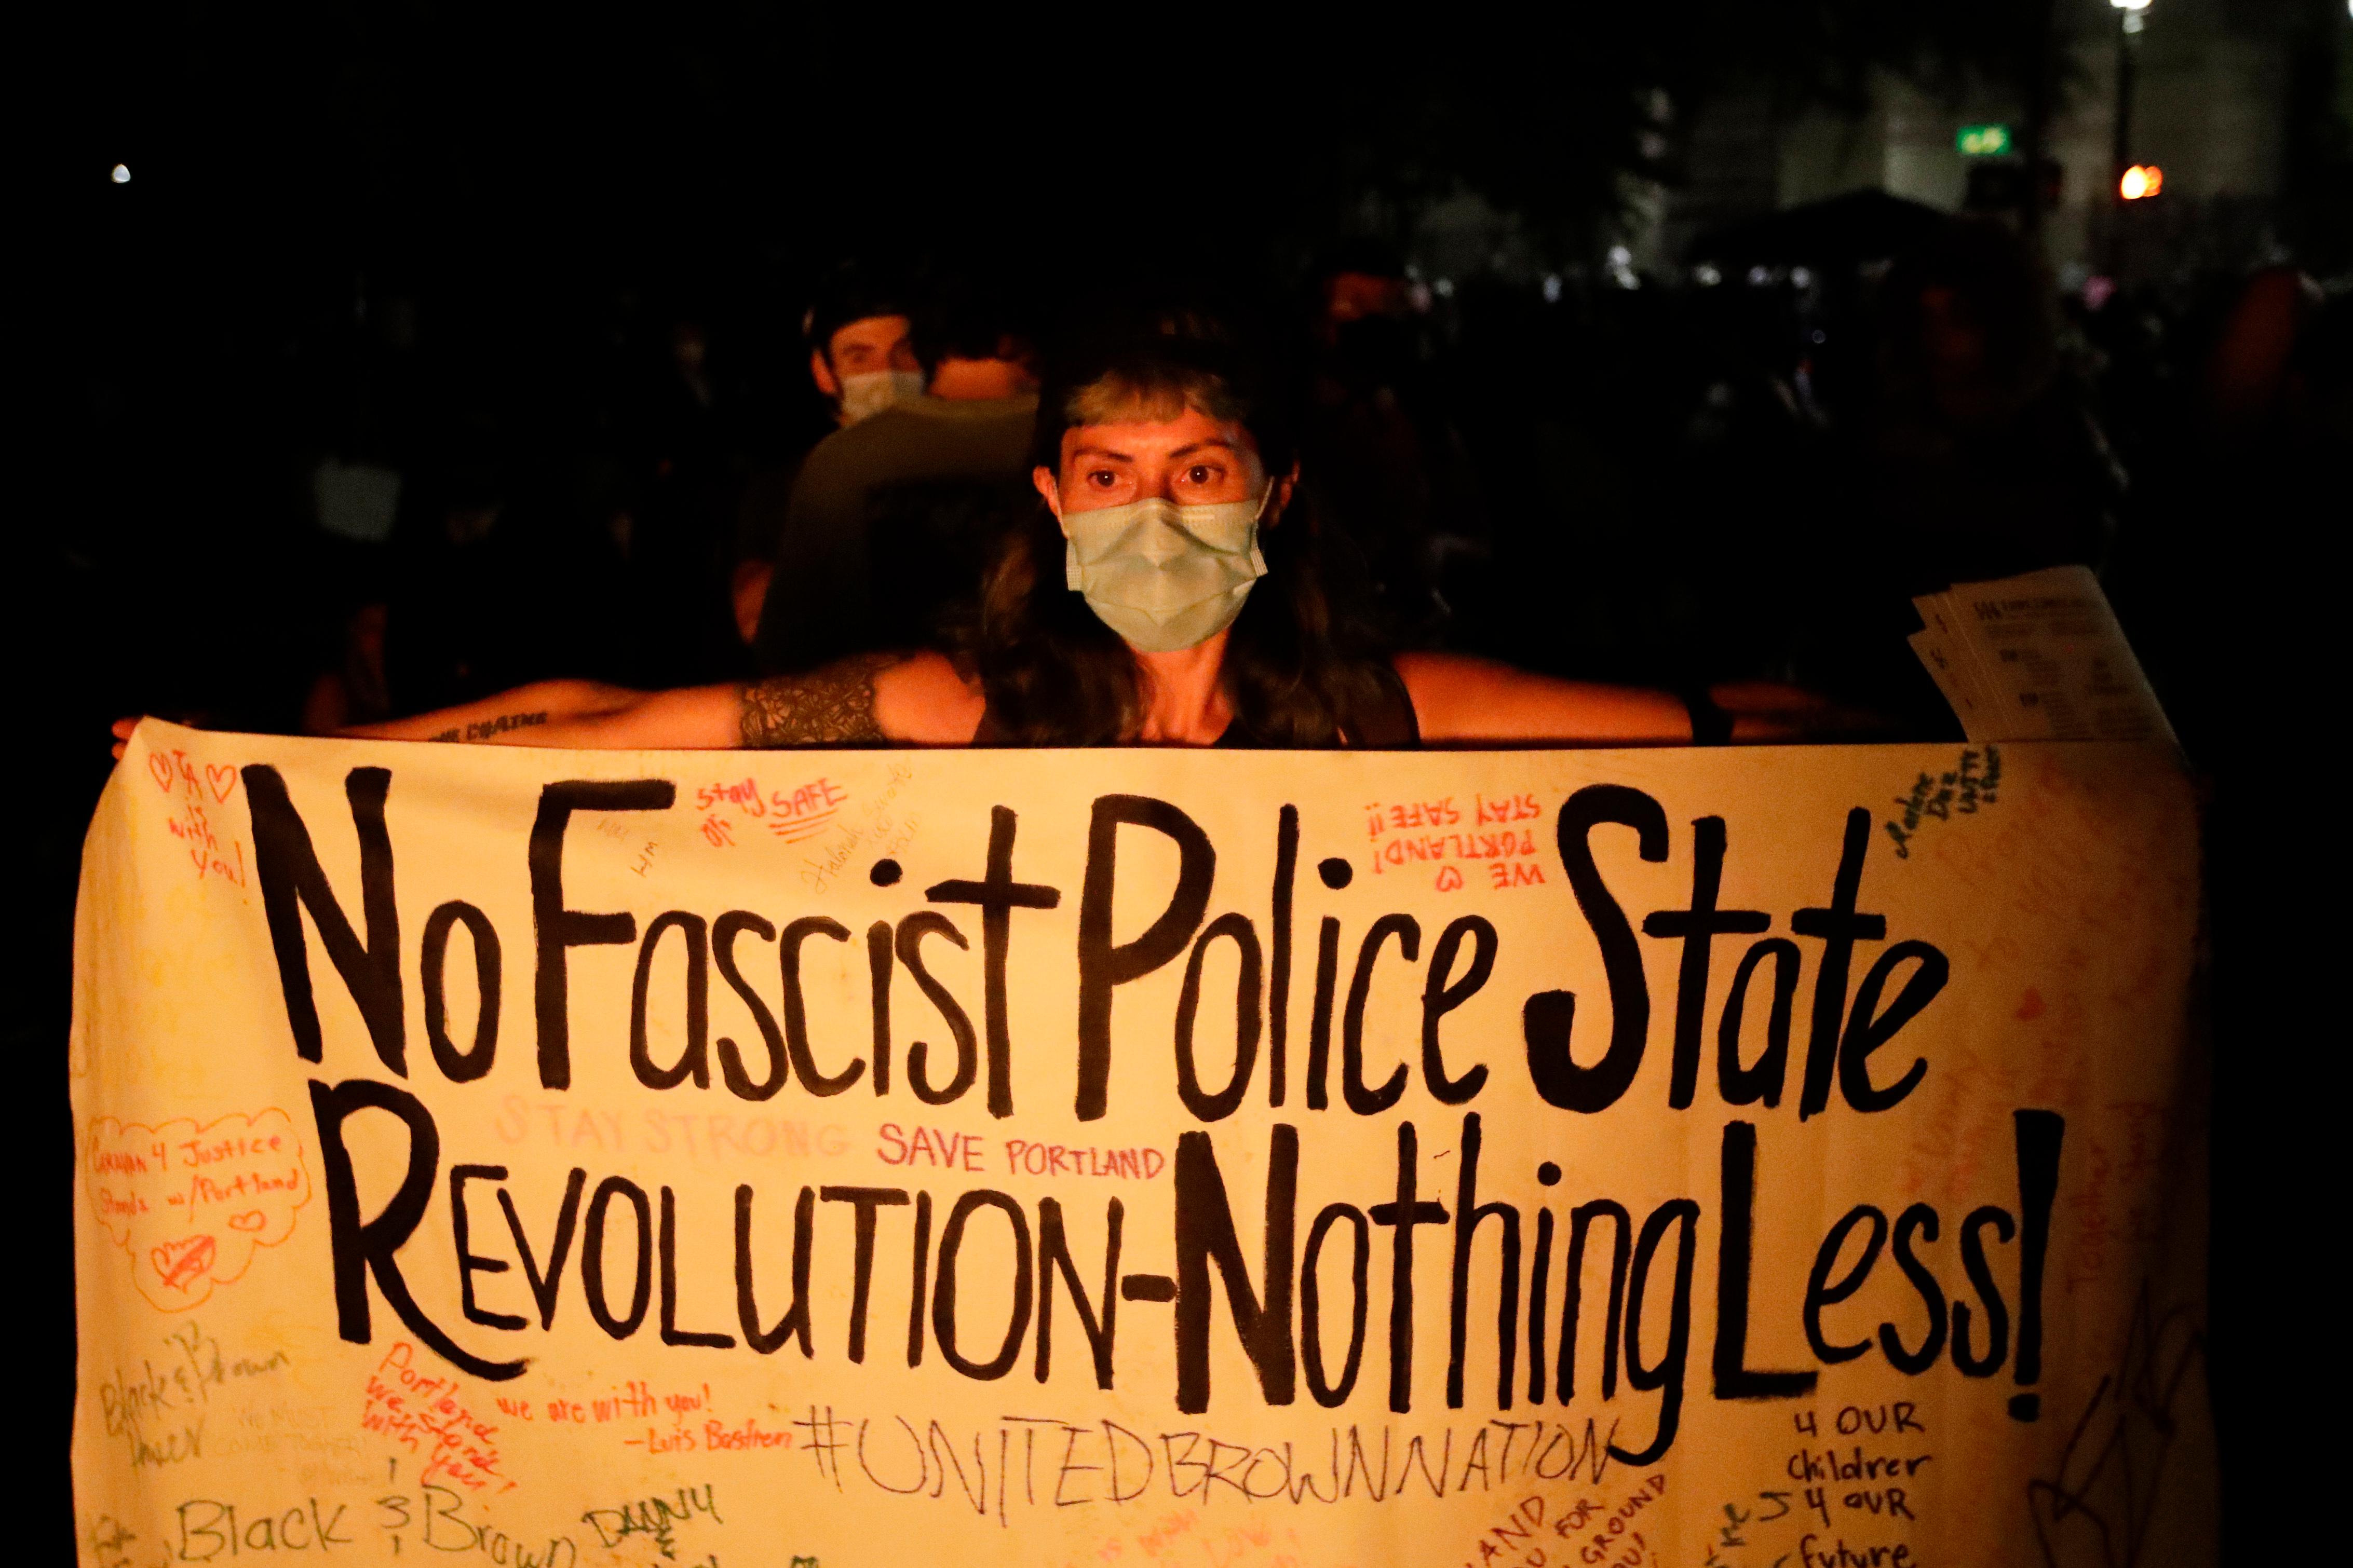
1982 140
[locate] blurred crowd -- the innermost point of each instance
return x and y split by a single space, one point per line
1738 470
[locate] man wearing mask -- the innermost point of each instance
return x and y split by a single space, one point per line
863 355
862 359
925 485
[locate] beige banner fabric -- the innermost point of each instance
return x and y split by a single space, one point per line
1740 1157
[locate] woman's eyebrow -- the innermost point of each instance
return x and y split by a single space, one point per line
1078 452
1214 443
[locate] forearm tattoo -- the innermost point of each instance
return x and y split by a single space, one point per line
485 729
827 707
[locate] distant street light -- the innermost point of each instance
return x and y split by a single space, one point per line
122 175
2133 180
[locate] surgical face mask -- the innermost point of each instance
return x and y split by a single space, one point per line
871 392
1166 576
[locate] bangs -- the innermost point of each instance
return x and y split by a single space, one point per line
1152 394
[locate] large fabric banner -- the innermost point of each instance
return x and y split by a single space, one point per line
1741 1157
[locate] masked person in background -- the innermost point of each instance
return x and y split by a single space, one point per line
1162 594
860 336
892 520
862 354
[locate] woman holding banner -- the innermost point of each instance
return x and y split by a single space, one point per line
1161 596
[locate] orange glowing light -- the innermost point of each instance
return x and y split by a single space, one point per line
2140 180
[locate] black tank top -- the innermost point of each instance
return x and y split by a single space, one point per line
1388 726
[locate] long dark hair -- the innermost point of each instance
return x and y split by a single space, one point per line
1302 667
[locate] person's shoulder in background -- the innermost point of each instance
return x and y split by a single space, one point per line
928 440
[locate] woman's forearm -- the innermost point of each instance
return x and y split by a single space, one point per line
859 701
691 719
521 717
1461 701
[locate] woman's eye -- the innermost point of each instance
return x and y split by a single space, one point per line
1103 479
1201 473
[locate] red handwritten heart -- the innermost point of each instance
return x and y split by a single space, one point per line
1448 879
182 1262
221 780
251 1219
160 766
